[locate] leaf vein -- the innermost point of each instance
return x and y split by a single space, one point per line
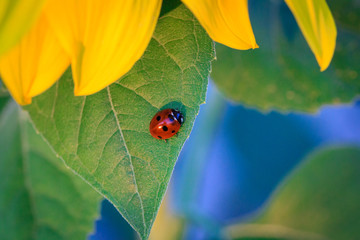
130 158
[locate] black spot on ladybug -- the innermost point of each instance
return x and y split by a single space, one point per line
158 118
165 128
173 131
160 137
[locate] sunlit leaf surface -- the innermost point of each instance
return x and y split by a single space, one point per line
105 137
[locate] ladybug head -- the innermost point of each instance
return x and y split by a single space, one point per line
178 115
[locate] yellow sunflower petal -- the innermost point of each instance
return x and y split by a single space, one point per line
226 21
103 38
34 64
318 26
16 18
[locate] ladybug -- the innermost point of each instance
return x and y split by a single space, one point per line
166 123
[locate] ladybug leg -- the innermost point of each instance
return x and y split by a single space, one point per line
165 140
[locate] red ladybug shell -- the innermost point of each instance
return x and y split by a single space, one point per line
165 123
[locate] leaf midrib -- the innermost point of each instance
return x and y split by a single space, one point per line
128 153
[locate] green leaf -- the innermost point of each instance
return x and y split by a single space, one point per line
319 200
105 137
283 74
39 197
4 95
3 101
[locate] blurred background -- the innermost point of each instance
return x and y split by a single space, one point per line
234 159
240 164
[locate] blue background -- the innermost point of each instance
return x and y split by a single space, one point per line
234 159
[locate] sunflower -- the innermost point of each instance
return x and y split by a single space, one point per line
102 40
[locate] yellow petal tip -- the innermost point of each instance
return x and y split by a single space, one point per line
318 27
255 46
226 21
85 91
325 63
323 68
24 101
79 92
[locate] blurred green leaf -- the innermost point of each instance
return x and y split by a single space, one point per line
3 101
39 197
105 137
4 95
283 74
347 14
319 200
